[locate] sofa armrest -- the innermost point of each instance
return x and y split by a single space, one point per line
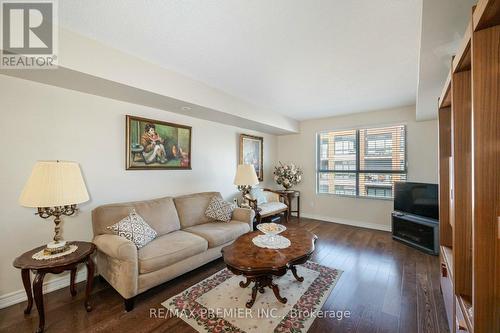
244 214
117 262
116 247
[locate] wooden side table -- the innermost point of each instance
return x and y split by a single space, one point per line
69 262
290 195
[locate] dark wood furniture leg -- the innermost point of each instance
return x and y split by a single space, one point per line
294 272
38 294
260 283
276 291
129 304
298 208
72 286
25 273
258 220
289 216
245 284
90 278
249 304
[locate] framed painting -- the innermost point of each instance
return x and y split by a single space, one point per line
251 152
153 144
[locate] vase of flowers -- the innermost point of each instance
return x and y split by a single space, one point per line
287 175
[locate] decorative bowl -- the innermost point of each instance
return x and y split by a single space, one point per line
271 242
271 228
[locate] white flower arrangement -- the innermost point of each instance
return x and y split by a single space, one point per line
287 175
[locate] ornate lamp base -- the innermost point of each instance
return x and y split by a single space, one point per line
244 189
56 247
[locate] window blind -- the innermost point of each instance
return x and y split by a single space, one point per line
362 162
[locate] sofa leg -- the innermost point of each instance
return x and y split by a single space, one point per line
129 304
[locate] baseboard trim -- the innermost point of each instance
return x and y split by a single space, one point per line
348 222
54 284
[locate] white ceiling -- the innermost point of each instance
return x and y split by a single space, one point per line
303 58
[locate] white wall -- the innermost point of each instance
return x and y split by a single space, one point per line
443 25
41 122
301 149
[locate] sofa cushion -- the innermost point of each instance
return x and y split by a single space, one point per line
160 214
219 209
270 207
219 233
169 249
134 228
191 208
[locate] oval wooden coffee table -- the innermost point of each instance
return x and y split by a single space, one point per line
259 265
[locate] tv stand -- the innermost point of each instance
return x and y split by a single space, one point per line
417 231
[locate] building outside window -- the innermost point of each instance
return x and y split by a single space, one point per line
382 192
362 162
344 145
379 144
345 190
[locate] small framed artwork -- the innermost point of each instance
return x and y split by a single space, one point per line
251 152
153 144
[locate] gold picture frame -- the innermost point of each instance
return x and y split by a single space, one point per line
252 152
157 145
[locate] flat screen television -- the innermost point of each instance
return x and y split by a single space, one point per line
417 199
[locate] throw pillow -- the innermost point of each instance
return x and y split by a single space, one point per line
134 228
258 194
219 210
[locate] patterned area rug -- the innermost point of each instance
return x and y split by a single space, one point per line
217 304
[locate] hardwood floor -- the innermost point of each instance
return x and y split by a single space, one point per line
386 286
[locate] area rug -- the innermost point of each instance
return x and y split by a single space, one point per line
217 304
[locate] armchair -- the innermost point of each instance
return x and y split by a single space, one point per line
277 203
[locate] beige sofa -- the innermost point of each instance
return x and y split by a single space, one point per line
186 240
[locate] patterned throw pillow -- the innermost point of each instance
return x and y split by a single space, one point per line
258 194
134 228
219 210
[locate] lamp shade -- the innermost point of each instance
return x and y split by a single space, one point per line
54 183
245 175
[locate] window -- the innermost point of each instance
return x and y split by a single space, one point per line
344 145
345 190
363 162
383 192
379 144
323 187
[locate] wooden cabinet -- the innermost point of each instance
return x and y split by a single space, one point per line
445 231
469 177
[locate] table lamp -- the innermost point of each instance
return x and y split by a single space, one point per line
55 188
245 178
